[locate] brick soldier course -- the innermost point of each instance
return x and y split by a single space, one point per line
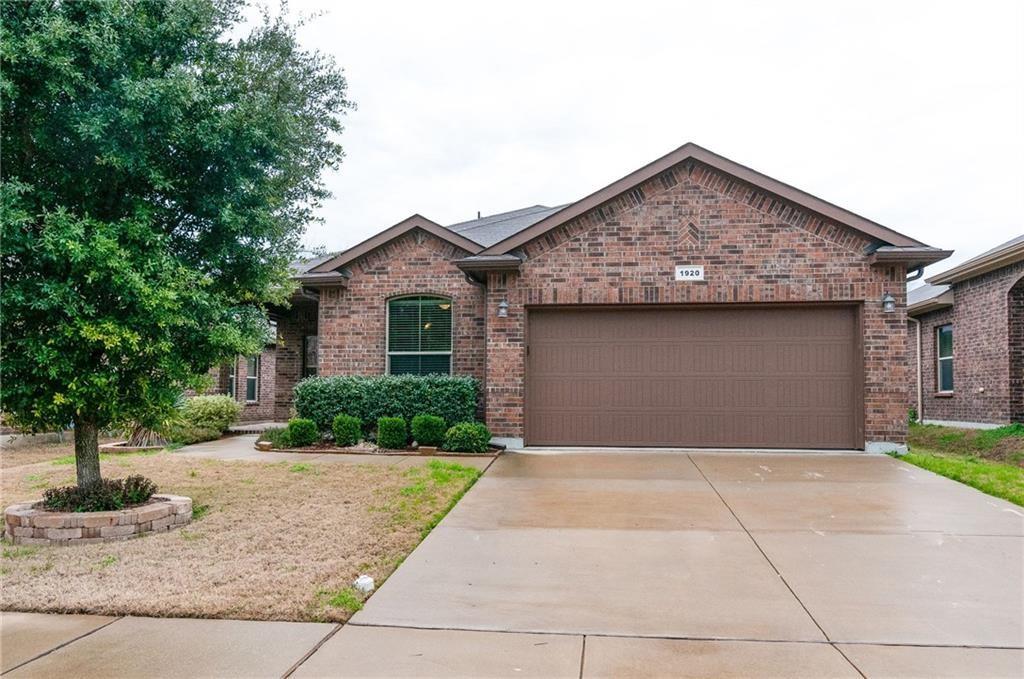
760 242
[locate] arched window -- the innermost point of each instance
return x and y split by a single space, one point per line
419 335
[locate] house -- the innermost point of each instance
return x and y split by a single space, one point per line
693 302
966 341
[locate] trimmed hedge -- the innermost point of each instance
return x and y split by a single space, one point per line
467 437
347 430
104 495
428 430
391 433
302 432
321 399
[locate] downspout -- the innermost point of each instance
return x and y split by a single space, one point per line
920 386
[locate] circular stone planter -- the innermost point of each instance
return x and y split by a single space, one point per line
28 525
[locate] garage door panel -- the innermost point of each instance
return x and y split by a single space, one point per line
779 377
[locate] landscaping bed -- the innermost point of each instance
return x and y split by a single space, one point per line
277 541
991 460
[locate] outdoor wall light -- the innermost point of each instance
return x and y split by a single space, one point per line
503 309
888 303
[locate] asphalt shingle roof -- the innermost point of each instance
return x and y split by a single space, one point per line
495 228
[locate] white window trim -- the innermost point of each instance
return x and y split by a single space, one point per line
256 378
939 358
387 333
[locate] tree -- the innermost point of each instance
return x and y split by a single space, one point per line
157 175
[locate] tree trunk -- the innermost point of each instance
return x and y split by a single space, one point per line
87 452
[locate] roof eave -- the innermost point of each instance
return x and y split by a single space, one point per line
943 301
914 257
979 266
503 264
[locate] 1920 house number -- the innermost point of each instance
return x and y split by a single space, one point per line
688 272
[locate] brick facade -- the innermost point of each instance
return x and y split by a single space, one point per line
988 339
353 319
754 248
293 326
263 408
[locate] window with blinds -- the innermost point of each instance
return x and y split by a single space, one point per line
419 336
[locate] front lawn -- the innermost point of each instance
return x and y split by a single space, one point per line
991 460
268 541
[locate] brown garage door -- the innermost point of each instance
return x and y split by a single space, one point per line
774 377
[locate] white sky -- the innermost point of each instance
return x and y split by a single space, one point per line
909 113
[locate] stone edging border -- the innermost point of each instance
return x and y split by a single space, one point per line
26 525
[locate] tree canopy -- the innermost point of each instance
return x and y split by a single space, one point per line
156 175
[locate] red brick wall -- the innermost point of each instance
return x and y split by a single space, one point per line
262 410
292 326
754 248
981 316
1015 319
353 319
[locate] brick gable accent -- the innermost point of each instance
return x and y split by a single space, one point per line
352 320
754 248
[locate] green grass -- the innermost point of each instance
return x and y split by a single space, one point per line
303 468
18 552
999 480
107 457
347 599
199 511
1005 444
108 560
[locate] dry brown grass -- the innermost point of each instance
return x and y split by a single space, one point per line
272 541
18 456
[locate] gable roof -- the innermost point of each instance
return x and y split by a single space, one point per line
692 151
494 228
401 228
1001 255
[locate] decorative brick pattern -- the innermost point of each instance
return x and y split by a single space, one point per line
353 319
25 525
988 342
754 249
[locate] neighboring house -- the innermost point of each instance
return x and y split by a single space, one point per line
694 302
966 341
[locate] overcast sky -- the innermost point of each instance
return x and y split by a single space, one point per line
909 113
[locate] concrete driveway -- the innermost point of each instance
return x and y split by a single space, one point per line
655 564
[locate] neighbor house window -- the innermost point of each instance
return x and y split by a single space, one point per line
309 363
419 335
252 378
944 357
232 376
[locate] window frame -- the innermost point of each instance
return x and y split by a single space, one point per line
939 358
253 377
387 333
233 378
307 369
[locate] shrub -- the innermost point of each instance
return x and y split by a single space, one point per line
187 434
278 437
302 432
467 437
347 430
428 430
210 412
321 399
105 495
391 432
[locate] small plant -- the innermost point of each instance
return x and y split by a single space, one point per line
108 560
105 495
347 430
277 437
199 511
428 430
912 416
302 432
391 433
301 468
467 437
